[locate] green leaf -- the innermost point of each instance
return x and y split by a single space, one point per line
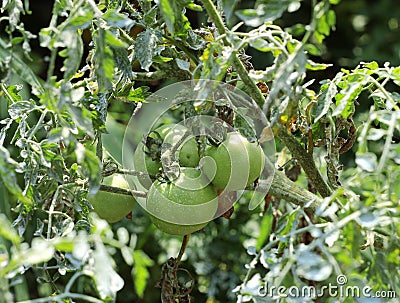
138 95
7 231
13 93
115 19
20 68
262 45
172 12
229 7
312 49
396 75
91 166
113 41
81 20
104 61
267 11
7 174
122 62
329 91
147 47
162 59
265 228
311 65
345 99
215 67
140 272
73 53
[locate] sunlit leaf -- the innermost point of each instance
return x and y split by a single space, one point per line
7 231
172 12
73 53
267 11
116 19
345 100
140 271
311 65
107 281
367 161
312 266
8 176
329 91
147 46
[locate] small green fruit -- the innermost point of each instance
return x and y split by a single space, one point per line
144 163
188 152
169 134
113 207
234 164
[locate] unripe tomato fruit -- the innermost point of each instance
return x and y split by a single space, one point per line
170 134
183 206
144 163
188 152
113 207
234 164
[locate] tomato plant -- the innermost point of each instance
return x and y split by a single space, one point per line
314 84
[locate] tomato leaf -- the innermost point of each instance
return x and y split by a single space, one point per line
140 272
147 47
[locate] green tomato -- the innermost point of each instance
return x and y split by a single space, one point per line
113 207
234 164
183 206
170 134
144 163
188 152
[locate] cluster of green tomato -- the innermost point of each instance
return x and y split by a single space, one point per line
187 203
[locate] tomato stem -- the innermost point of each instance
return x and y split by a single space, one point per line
128 192
185 242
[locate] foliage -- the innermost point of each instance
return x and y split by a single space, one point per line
336 138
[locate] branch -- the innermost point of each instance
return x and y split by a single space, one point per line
306 161
284 188
128 192
149 76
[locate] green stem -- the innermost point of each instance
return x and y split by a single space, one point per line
123 191
149 76
255 93
185 242
284 188
306 161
